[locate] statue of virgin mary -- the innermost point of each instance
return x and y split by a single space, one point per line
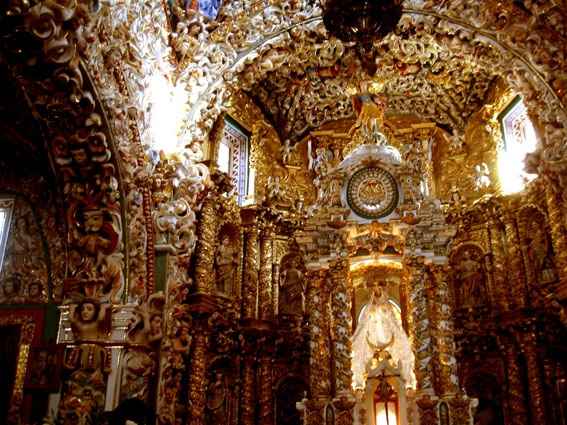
380 327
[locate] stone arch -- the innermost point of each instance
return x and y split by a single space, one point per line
47 66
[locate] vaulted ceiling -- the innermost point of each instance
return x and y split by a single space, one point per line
421 76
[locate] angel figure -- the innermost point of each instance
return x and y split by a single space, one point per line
88 318
481 176
286 151
370 107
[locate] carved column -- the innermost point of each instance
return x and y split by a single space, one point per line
319 356
205 249
197 392
342 325
341 303
265 290
517 413
559 241
448 383
265 385
498 265
420 325
516 264
250 274
528 345
247 397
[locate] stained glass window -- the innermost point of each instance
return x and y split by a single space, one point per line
233 158
519 139
6 206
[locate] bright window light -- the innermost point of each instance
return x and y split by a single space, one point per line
519 140
223 161
386 413
6 206
168 104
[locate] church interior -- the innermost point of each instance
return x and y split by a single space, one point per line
283 212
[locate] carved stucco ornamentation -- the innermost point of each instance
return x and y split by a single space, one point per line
79 141
248 42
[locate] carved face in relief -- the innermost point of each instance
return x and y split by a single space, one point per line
79 156
35 290
155 324
87 312
94 220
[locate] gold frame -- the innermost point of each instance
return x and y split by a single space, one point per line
27 328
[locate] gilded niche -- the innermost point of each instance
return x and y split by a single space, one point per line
25 273
292 286
470 277
226 261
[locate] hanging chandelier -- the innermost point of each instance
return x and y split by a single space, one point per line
361 21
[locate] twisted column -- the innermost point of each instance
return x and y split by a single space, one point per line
197 397
319 361
420 326
342 325
250 275
205 249
265 289
320 353
448 383
536 390
516 269
558 232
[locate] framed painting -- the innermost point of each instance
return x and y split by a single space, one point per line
16 337
45 368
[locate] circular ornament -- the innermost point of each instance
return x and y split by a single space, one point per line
372 193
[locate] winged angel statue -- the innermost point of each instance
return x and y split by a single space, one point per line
380 329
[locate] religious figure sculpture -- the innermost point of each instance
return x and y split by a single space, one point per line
380 330
370 107
87 319
147 326
539 254
471 278
98 233
217 400
286 151
226 261
292 289
11 289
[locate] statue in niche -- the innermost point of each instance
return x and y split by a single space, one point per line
540 254
226 261
217 400
292 289
471 278
89 319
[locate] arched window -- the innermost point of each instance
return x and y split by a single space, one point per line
233 158
519 139
6 206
